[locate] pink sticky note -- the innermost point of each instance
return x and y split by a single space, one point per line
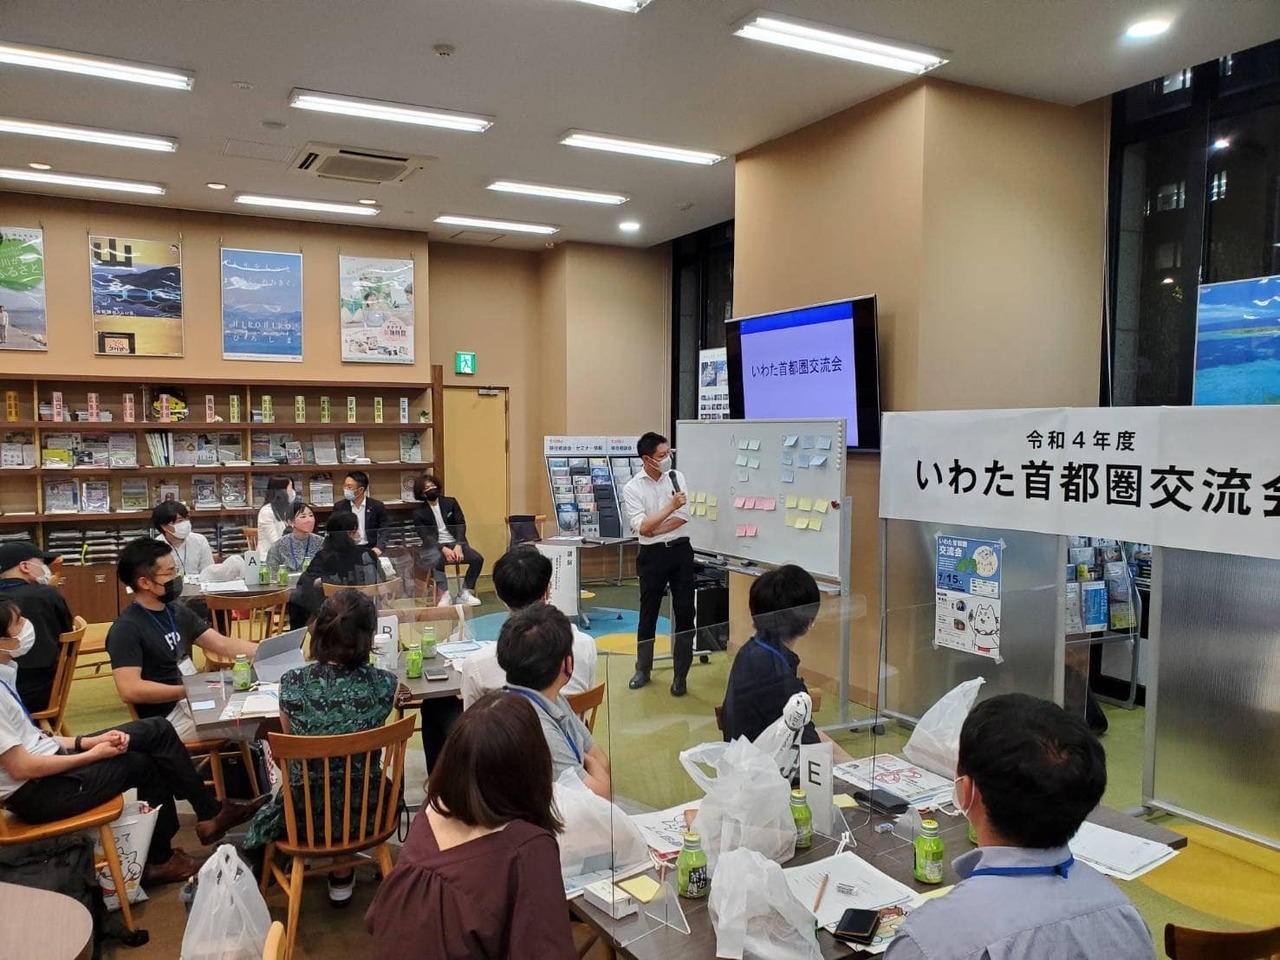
742 530
751 530
737 502
767 504
748 503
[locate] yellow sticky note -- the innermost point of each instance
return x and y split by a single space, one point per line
791 501
712 513
844 801
712 500
815 523
820 506
806 503
791 519
701 496
699 509
802 523
642 888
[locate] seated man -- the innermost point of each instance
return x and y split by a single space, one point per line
765 672
26 581
443 529
191 550
1029 774
45 778
150 642
371 515
535 649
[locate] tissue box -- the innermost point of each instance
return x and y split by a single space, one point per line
603 895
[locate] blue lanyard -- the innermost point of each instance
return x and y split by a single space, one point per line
173 624
1048 870
5 684
773 650
577 754
293 555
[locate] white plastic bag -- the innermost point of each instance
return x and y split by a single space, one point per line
132 832
935 742
748 803
781 739
597 835
755 914
229 919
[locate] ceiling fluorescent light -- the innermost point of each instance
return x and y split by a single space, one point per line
384 110
639 148
1145 29
502 226
556 193
108 138
831 42
21 55
626 6
75 180
311 206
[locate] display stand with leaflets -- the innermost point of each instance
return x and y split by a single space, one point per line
586 476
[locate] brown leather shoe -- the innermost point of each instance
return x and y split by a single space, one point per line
232 814
177 868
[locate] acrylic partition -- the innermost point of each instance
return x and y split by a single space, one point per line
1031 651
1213 713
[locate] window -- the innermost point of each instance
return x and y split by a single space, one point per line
1175 82
1218 186
702 300
1172 196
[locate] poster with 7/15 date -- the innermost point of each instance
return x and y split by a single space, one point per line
967 607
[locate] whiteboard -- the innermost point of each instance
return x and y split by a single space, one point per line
739 478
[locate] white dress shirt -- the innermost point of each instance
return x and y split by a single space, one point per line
642 496
359 511
481 673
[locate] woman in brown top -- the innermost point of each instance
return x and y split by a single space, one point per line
479 877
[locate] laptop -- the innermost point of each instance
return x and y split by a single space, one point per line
276 656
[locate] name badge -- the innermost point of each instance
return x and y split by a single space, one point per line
187 667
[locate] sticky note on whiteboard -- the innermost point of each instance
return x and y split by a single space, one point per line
743 476
790 440
815 523
788 476
806 442
699 509
754 463
818 461
742 460
748 503
766 504
712 500
787 460
791 519
806 503
753 445
738 502
742 444
741 530
824 443
701 496
804 461
751 530
802 523
820 506
791 501
712 514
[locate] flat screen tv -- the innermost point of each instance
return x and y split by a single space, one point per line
817 361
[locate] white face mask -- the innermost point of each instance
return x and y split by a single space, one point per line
45 577
663 465
182 529
24 641
955 798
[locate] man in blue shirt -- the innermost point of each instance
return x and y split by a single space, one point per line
1029 775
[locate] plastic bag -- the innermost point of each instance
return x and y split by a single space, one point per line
597 835
935 742
781 739
755 914
229 919
748 803
132 832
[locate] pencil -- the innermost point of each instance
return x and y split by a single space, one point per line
822 888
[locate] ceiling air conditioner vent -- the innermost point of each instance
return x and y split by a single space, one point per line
357 165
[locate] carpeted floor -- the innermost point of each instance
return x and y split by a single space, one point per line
1218 882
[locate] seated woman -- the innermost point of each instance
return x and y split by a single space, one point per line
339 693
299 546
342 559
479 875
273 518
765 672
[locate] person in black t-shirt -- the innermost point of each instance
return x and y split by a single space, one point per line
26 580
150 643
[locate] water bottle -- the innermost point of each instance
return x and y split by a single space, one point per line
282 576
930 853
691 868
264 576
413 660
428 641
803 817
241 673
188 893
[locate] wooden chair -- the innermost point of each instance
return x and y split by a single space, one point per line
376 823
53 717
524 528
1187 943
267 616
250 537
14 832
586 703
92 658
273 949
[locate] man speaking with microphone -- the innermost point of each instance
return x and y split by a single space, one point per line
655 506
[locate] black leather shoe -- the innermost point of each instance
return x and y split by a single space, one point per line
678 688
639 680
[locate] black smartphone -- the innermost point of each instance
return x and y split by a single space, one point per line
436 674
857 926
881 801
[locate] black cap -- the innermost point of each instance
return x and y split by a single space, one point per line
14 552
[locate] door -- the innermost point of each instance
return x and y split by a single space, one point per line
479 469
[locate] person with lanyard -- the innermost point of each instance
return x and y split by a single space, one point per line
150 642
766 671
1029 775
295 549
371 515
655 505
26 579
45 778
191 550
535 649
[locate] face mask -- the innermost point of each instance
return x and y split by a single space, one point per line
182 529
348 494
172 590
432 495
45 577
21 644
663 465
955 796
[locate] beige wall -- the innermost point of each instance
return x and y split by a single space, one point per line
68 223
977 220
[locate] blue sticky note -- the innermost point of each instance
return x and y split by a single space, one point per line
804 462
788 476
786 460
824 443
789 440
818 461
806 442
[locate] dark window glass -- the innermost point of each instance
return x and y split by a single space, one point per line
1244 193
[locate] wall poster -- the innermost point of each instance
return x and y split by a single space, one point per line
23 321
136 289
967 608
376 309
261 305
713 384
1238 342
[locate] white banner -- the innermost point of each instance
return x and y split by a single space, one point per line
1197 478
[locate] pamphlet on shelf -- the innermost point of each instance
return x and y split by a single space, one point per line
96 496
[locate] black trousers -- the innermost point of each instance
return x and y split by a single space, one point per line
433 560
157 764
660 566
438 716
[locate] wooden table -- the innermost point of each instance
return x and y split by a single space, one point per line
886 852
44 924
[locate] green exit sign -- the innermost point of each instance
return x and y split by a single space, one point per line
464 363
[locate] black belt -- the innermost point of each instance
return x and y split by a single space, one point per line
678 541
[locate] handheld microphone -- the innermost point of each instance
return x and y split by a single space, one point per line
675 482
